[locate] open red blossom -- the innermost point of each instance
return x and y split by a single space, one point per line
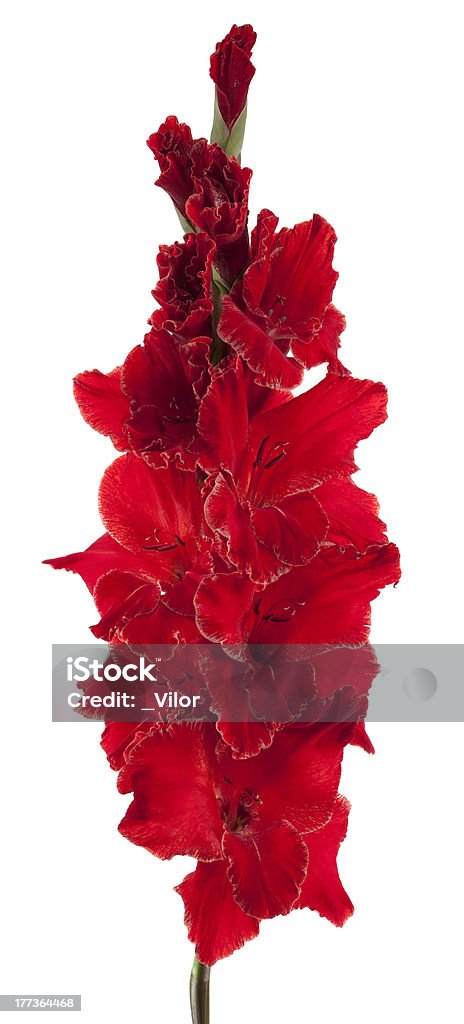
150 405
145 572
191 797
271 500
184 288
217 924
283 302
232 71
327 601
128 596
158 513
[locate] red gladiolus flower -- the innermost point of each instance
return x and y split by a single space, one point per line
165 380
172 147
232 519
144 573
284 302
267 500
128 596
219 206
149 406
232 71
217 924
184 288
191 797
327 601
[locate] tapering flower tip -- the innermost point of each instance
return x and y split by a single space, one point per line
232 71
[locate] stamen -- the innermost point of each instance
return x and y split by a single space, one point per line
260 451
160 547
273 461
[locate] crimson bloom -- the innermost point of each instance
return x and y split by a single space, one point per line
219 206
284 302
149 406
217 924
249 822
267 501
184 287
144 572
327 601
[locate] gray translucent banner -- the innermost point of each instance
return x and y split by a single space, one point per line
246 683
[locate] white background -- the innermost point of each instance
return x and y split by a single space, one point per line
355 113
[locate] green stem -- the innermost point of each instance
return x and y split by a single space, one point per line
230 141
199 992
218 347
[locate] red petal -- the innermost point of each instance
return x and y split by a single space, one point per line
297 777
361 739
353 514
261 354
224 405
121 597
161 626
322 889
318 432
301 272
103 404
174 810
266 869
292 530
246 739
225 515
102 556
117 737
215 922
323 346
222 605
152 510
327 601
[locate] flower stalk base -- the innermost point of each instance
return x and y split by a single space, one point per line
199 992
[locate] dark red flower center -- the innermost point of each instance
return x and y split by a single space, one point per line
237 807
